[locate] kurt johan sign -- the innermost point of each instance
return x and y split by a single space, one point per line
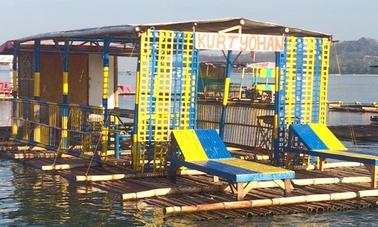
239 42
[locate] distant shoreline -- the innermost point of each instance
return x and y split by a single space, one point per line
354 74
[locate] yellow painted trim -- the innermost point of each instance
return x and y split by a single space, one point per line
65 83
191 148
226 91
37 76
276 79
275 131
14 128
104 148
37 133
137 86
105 91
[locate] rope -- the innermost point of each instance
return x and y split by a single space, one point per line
93 155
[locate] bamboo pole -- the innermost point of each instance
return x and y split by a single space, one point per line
337 165
120 176
35 155
64 166
169 190
331 180
270 202
10 148
88 189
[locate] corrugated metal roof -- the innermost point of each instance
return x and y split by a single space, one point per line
215 25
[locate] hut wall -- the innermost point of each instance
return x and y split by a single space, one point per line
96 80
51 77
25 74
241 126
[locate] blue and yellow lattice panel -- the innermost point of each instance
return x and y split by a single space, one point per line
165 94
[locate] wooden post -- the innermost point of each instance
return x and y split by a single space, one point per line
105 90
321 164
288 187
116 107
276 145
241 83
14 91
64 135
225 94
240 192
37 74
374 172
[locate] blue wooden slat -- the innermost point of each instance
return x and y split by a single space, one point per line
212 144
231 173
308 137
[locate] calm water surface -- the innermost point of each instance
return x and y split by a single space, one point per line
31 198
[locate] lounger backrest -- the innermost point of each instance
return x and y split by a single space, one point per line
212 144
317 137
189 145
201 144
328 138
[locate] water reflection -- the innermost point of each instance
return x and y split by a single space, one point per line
29 197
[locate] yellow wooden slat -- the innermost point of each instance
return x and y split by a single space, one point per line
189 145
253 166
327 137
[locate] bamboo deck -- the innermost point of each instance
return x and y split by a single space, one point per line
155 192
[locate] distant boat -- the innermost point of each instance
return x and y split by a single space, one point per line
5 90
374 119
125 90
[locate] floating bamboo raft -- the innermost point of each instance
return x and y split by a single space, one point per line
342 186
355 107
357 132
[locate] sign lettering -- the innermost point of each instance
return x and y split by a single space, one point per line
239 42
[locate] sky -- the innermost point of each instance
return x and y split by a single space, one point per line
344 19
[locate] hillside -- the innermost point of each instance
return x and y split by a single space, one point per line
355 57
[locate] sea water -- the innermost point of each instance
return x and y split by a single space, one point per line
32 197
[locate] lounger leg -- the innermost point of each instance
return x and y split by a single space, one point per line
374 172
288 187
321 164
172 172
240 192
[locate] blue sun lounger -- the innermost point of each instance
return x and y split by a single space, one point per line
203 150
319 141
